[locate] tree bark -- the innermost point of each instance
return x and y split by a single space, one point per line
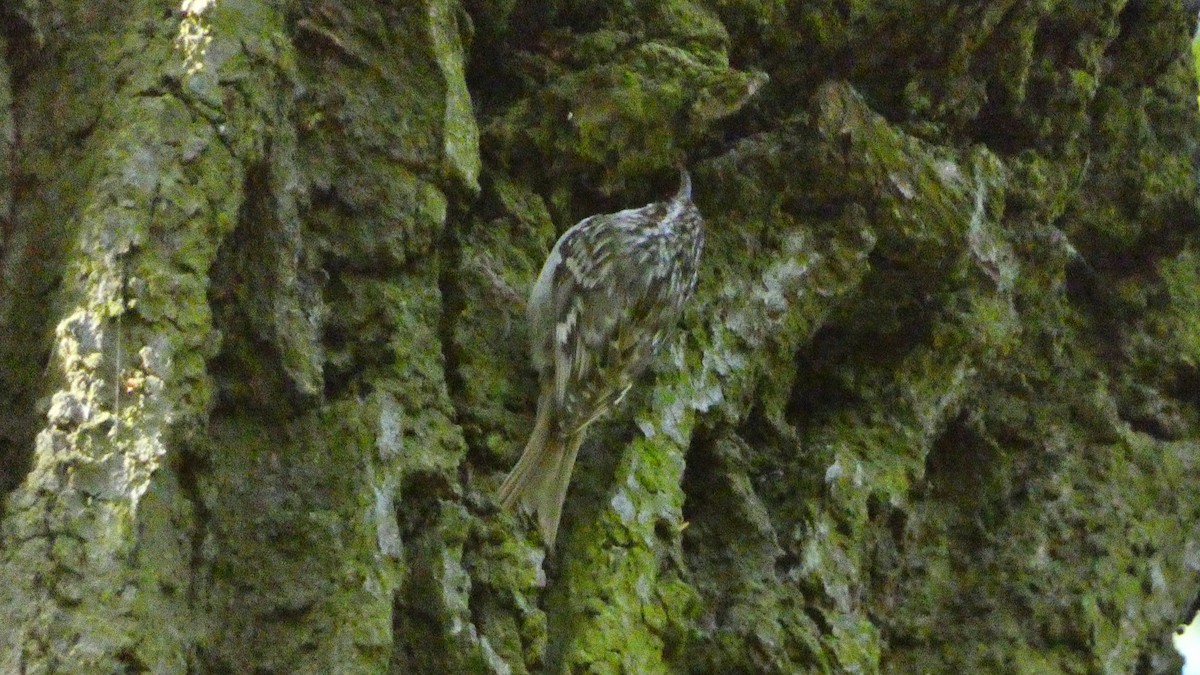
263 356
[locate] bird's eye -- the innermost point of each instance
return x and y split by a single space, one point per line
1179 630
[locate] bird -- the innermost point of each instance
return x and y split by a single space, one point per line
609 295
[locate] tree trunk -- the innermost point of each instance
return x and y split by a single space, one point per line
263 364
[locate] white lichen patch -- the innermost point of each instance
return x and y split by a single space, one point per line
100 437
1187 642
194 34
990 252
387 528
388 437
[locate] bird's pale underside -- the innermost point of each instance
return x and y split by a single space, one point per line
609 295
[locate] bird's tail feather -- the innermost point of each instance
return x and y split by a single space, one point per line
539 480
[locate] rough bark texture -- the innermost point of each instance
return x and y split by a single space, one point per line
262 349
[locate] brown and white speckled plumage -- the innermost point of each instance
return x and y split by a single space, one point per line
610 293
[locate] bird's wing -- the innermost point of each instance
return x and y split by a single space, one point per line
604 302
